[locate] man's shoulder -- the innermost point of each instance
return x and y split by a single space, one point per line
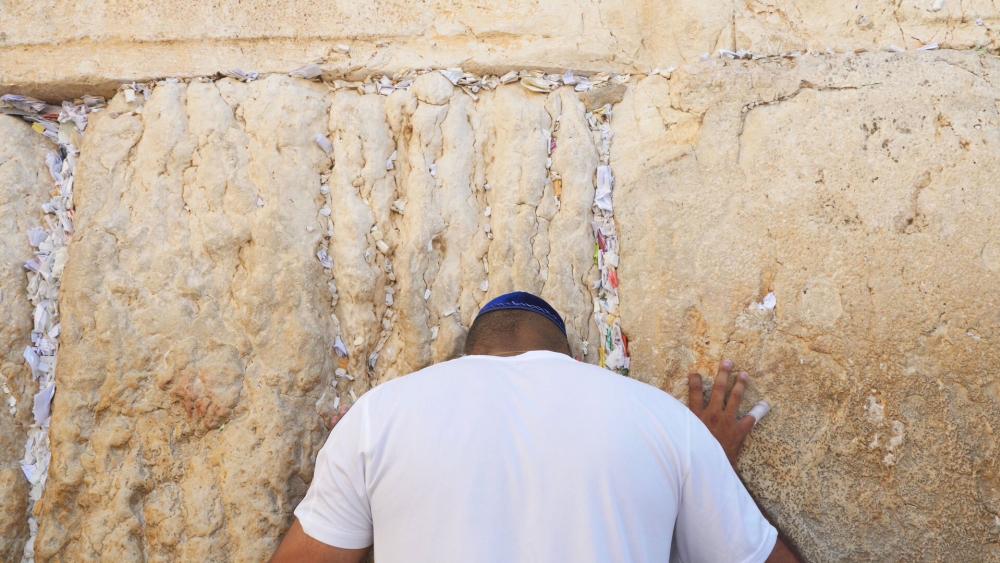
431 375
452 371
627 384
647 401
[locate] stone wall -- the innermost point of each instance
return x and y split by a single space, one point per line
199 353
92 47
861 192
248 255
24 186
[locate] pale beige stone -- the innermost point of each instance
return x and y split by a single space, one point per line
432 88
197 358
90 47
24 186
860 190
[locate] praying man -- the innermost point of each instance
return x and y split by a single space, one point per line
516 452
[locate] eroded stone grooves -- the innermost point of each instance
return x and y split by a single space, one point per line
180 379
177 173
267 250
614 353
572 161
63 125
26 184
362 189
458 160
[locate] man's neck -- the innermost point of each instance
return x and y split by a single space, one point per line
506 353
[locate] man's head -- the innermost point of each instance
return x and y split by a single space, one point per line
515 323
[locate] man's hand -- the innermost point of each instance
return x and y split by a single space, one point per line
720 413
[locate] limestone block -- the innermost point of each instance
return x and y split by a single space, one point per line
246 252
870 24
92 47
24 186
861 192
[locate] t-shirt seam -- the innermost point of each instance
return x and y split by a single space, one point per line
526 352
765 547
310 519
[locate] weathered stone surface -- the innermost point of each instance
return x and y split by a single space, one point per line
91 47
24 186
861 191
197 362
198 352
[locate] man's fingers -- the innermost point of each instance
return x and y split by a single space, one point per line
718 397
745 424
736 395
696 394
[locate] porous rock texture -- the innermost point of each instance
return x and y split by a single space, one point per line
91 47
24 186
862 192
249 254
198 356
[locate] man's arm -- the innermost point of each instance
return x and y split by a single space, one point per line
297 546
719 415
335 508
782 552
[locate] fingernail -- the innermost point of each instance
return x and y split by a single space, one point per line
727 364
744 375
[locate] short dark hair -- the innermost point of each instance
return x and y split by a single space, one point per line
492 328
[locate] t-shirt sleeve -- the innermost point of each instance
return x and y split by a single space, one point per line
717 520
336 508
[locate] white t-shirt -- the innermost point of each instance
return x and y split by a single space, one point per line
531 458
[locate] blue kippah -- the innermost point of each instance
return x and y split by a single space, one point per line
525 302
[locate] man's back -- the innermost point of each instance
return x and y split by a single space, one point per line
534 457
